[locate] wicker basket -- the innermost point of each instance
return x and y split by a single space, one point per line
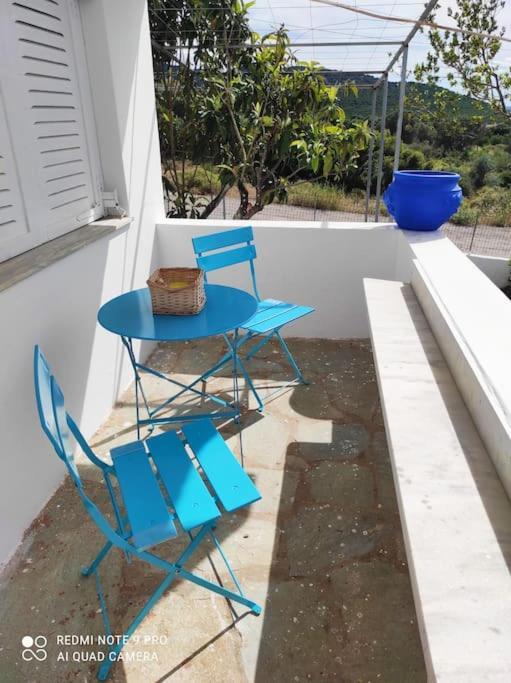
177 291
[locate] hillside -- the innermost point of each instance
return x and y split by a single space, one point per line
359 106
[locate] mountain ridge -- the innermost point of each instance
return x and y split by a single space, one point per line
359 106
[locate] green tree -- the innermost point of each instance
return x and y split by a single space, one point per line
440 111
184 36
278 123
471 58
243 103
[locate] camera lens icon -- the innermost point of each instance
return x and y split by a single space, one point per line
34 648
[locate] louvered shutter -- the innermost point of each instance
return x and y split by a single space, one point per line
48 120
15 235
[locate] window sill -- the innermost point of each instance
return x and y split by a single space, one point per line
24 265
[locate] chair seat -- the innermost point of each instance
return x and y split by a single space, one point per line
232 484
272 314
143 469
150 519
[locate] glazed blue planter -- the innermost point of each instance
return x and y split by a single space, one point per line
423 200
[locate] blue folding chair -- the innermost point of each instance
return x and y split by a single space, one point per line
160 487
214 252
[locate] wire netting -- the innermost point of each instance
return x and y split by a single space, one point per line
486 240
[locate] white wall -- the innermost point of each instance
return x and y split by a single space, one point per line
471 320
57 307
315 264
494 267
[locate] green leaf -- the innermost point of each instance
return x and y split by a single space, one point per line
332 93
332 130
226 170
301 144
328 164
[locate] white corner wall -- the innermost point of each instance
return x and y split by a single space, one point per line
497 269
315 264
471 321
57 307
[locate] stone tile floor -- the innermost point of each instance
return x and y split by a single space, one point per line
323 550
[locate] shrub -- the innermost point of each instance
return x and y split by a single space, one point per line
489 206
480 169
329 198
466 215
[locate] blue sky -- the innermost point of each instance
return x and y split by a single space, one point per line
309 21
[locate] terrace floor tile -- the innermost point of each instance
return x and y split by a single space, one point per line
323 551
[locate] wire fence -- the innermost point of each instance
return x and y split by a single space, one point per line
293 212
485 240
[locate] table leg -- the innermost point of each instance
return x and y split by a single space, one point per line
236 388
128 343
239 365
236 362
152 419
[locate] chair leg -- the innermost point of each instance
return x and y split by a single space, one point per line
113 653
220 590
216 367
290 358
226 358
172 571
226 561
257 347
87 571
251 386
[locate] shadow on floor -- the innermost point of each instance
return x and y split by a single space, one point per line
339 605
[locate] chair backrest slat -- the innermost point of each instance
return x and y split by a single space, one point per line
56 424
221 240
226 258
59 413
42 380
222 256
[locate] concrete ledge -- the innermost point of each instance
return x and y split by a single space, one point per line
455 513
214 225
30 262
471 320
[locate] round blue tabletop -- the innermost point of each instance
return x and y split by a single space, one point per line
130 315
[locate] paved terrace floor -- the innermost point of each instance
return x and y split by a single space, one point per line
323 551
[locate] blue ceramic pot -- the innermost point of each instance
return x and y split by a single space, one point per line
423 200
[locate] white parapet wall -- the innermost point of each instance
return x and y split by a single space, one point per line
496 268
471 320
309 263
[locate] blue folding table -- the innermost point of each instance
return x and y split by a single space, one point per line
131 317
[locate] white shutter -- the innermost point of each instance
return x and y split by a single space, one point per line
15 235
48 117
